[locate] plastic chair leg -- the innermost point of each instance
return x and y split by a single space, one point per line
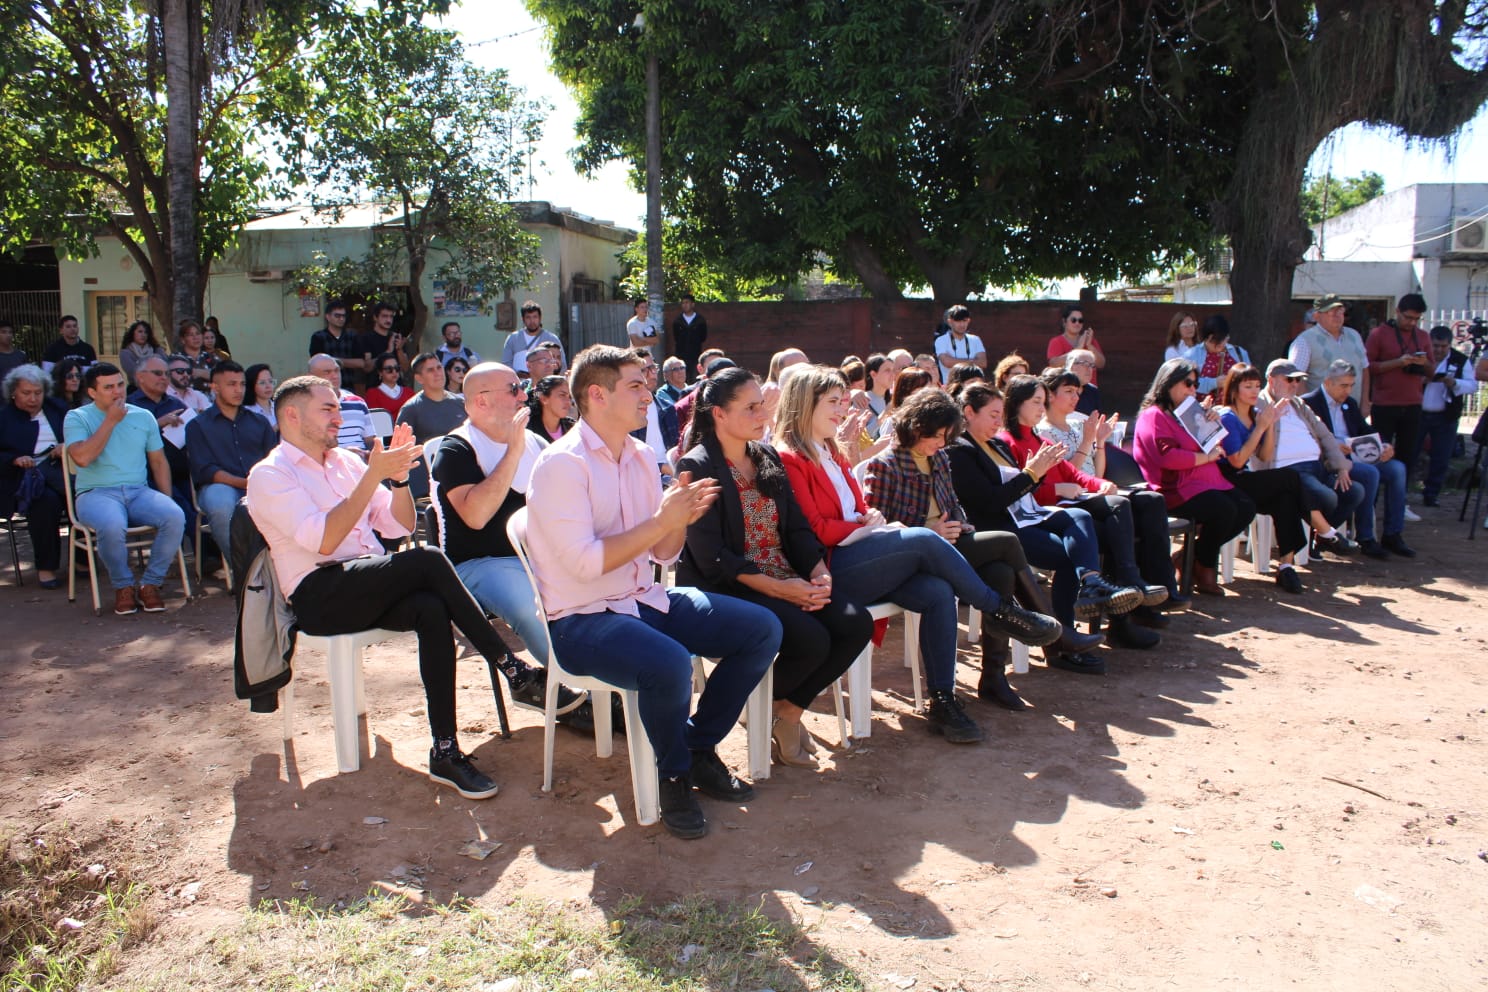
604 728
860 688
761 716
1020 657
342 661
912 656
644 783
842 734
1262 541
286 704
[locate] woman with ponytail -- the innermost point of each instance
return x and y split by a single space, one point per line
754 543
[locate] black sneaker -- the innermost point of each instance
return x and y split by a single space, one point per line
1149 616
457 771
1395 543
680 812
711 777
1288 579
1337 544
1373 549
581 718
1031 628
1080 664
946 717
1098 595
1152 595
530 688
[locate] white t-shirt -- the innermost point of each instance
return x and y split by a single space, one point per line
963 350
1294 442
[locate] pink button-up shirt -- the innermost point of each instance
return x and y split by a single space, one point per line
289 496
580 494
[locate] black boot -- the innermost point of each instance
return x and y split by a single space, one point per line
1129 634
994 686
944 716
1032 594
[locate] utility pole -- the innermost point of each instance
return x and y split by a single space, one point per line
655 281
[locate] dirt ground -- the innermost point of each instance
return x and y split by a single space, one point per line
1289 792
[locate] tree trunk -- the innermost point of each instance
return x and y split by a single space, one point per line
418 309
181 30
863 260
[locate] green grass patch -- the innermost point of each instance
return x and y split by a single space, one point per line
384 942
66 912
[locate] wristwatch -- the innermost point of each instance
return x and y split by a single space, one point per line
398 485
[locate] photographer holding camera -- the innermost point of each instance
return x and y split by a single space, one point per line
1400 363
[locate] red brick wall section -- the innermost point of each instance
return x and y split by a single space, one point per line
1131 334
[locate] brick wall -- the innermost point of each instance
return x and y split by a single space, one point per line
1131 334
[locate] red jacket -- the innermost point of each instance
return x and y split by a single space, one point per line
818 497
1062 472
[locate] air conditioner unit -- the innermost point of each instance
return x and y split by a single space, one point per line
1470 236
266 275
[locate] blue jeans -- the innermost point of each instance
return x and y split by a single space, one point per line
1318 493
1389 476
653 653
1066 543
111 509
500 586
917 569
1441 428
217 502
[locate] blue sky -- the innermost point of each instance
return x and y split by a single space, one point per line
501 34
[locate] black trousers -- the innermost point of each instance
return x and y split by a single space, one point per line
44 520
997 556
1134 535
1400 426
415 590
815 647
1277 492
1219 514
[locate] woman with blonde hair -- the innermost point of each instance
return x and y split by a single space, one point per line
872 560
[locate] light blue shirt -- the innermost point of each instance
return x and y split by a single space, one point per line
122 461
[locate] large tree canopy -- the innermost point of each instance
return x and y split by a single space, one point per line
792 129
83 142
398 116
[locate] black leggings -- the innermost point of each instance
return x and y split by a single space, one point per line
1277 492
1134 535
816 646
44 522
1219 514
997 556
414 590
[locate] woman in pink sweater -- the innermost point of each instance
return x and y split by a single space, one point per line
1189 478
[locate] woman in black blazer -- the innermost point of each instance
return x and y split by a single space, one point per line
754 543
997 495
23 446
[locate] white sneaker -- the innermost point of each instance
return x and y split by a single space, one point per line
1411 516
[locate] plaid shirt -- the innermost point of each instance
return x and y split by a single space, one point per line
896 487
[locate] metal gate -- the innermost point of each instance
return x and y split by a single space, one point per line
35 314
598 323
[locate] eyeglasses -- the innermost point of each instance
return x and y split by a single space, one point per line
1083 361
514 388
180 371
388 368
458 368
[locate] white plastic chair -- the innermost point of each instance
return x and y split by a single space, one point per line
860 674
974 634
204 526
645 786
81 535
381 421
348 695
1258 540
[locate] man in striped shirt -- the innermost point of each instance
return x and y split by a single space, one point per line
355 432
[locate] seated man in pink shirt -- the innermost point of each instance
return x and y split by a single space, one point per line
320 508
597 522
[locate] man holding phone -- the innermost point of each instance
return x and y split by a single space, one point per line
1451 380
1399 353
382 340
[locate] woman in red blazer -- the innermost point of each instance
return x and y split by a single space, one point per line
872 560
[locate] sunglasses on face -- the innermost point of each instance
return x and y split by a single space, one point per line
1191 383
388 368
73 375
514 388
1075 320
